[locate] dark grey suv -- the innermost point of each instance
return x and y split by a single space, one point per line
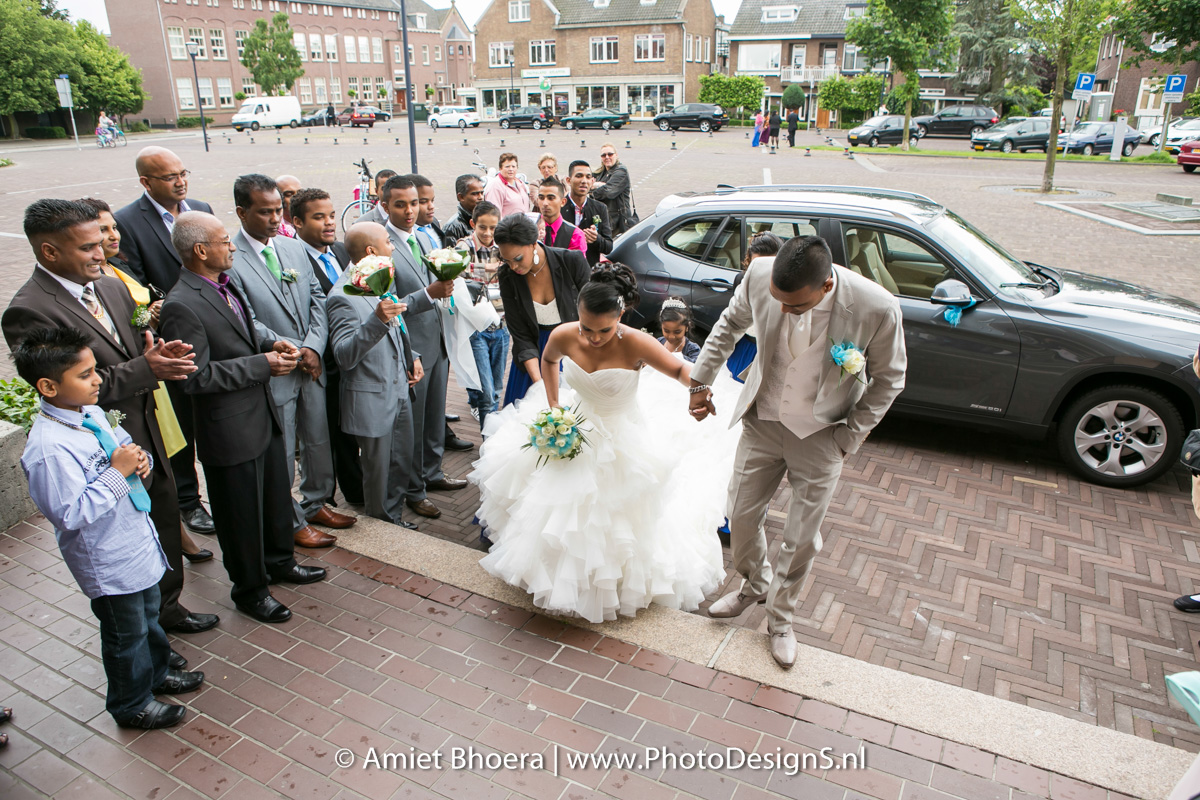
956 121
1105 365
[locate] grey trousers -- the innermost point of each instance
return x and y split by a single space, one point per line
386 462
429 427
766 453
305 423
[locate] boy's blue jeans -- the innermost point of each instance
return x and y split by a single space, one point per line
491 355
134 650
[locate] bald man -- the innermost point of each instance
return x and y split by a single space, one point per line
288 185
146 226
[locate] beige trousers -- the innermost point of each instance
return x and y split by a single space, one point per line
766 453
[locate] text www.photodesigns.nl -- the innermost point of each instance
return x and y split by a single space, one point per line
730 758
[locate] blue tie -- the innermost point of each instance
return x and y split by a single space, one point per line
137 492
429 232
329 268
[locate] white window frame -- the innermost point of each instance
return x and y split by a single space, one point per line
351 49
225 92
300 43
239 41
248 87
780 13
498 54
186 93
316 49
331 49
208 100
320 93
377 49
364 50
197 35
216 44
707 49
761 66
519 10
650 47
800 50
305 86
335 85
687 46
178 44
425 54
542 52
396 54
437 52
607 47
854 12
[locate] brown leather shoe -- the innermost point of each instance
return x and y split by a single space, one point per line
446 485
425 508
332 519
311 537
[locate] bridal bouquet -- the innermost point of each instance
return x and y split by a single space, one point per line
556 435
446 265
372 277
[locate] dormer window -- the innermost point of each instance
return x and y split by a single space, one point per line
780 13
648 2
419 19
854 12
600 3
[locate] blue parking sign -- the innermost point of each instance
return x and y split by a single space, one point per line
1173 88
1085 82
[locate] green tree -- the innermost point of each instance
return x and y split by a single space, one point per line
107 80
34 50
793 96
1059 28
271 56
1166 32
742 91
992 48
856 98
913 34
835 93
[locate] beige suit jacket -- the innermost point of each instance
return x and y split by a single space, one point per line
863 313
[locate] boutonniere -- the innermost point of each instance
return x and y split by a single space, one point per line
141 316
850 359
596 220
289 276
114 417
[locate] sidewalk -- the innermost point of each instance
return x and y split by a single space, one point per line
376 657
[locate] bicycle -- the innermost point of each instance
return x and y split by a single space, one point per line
107 138
362 202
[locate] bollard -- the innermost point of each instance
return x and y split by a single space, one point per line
389 129
672 133
335 140
845 151
397 140
251 140
278 140
807 152
747 134
427 141
306 140
489 131
502 143
710 134
772 149
628 146
639 133
464 142
364 140
541 142
582 143
672 144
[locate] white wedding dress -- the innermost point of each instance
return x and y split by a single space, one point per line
629 521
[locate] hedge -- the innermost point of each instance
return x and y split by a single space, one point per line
192 122
51 132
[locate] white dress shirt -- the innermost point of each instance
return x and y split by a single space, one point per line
167 217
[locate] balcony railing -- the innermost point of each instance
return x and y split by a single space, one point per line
807 74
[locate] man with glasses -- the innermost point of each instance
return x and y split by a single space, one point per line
614 189
288 186
146 226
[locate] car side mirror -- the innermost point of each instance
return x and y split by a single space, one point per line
951 293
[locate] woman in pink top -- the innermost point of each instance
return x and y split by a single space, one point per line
506 191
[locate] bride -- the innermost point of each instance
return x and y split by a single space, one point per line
630 520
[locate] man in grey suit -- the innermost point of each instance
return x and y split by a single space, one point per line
287 303
423 318
377 214
802 412
378 370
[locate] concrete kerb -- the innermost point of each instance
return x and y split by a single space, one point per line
1111 759
15 504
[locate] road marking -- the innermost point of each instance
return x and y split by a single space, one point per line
12 235
70 185
869 164
766 176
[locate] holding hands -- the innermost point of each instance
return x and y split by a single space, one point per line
129 459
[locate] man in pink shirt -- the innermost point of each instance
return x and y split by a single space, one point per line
557 231
288 186
506 191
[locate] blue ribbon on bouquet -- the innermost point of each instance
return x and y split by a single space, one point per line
394 299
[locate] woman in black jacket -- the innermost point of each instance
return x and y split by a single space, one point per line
614 189
539 286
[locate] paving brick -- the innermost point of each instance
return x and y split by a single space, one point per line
867 728
776 700
733 686
964 784
1062 788
206 775
552 700
639 680
583 662
900 764
968 759
759 719
603 692
46 772
1022 776
568 733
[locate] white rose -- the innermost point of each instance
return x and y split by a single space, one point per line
853 362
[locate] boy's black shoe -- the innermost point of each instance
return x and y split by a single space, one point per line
176 661
178 682
156 714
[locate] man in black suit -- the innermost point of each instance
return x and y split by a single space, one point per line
68 290
315 220
581 210
239 435
146 243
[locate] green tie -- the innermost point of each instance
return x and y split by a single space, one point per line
272 262
416 249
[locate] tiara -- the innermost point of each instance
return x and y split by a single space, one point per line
673 302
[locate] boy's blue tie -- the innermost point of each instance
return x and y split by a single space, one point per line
137 492
329 270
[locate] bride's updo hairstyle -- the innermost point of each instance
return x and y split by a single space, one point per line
612 290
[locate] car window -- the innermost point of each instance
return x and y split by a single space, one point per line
950 112
898 263
1041 126
783 227
694 236
1106 130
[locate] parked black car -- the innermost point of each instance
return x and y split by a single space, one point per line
1104 365
527 117
318 117
956 121
1027 133
1097 137
883 129
705 116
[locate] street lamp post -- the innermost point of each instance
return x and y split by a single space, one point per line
408 88
193 50
512 86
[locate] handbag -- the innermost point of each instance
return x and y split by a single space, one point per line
1190 455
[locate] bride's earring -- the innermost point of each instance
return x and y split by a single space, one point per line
581 329
536 258
619 335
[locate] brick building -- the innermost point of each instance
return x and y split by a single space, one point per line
1137 91
639 56
344 45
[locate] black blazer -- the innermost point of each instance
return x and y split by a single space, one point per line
128 382
604 239
232 410
146 243
566 230
569 271
343 258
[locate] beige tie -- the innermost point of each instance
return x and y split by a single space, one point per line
801 332
96 310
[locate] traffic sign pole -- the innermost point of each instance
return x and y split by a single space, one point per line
63 84
1172 93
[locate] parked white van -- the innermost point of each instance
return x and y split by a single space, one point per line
267 112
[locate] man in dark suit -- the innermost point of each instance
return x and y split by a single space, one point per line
315 219
68 290
582 210
146 242
557 231
239 435
416 289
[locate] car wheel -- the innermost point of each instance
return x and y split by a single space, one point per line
1120 436
705 126
1088 149
462 124
504 124
569 125
253 126
922 131
912 141
1154 140
606 125
1127 150
433 123
1189 167
537 124
976 130
874 140
664 126
1007 146
293 124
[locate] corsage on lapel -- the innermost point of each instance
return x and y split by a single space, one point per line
141 316
289 276
850 359
115 418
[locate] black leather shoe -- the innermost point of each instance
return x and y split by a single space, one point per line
176 661
299 574
453 418
198 521
266 610
455 443
1186 603
178 682
446 485
412 526
195 623
199 555
156 714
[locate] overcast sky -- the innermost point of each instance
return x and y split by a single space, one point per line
94 12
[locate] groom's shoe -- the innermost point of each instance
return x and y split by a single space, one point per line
734 603
783 648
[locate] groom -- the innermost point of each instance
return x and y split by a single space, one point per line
801 413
